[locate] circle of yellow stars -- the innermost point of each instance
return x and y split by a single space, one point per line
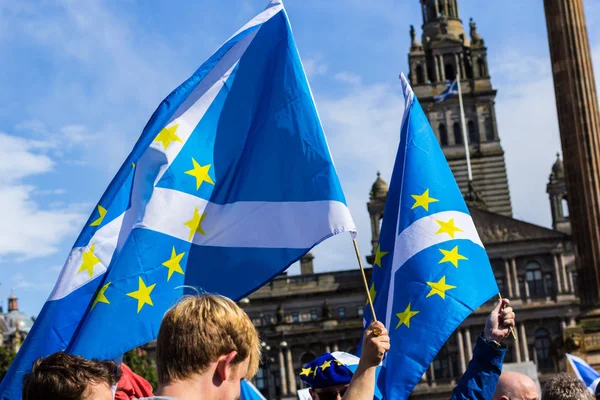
201 174
451 256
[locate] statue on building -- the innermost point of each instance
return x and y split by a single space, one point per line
280 314
476 38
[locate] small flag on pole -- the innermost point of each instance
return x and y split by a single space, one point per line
230 183
585 372
450 91
431 270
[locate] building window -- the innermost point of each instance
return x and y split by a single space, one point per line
443 135
295 317
261 382
522 286
533 274
342 312
267 319
420 75
500 283
450 72
489 129
565 208
481 68
441 365
542 349
360 311
574 281
257 321
458 139
314 315
548 284
473 136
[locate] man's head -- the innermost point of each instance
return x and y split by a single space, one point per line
62 376
515 386
207 334
565 387
327 377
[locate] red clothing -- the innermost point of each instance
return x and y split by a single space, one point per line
131 385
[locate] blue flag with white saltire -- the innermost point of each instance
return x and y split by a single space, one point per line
450 91
431 269
584 371
230 183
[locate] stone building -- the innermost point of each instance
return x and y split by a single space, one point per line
14 325
300 317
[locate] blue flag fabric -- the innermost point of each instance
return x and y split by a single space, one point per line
230 183
249 392
450 91
584 371
430 270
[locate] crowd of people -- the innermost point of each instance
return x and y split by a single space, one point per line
207 345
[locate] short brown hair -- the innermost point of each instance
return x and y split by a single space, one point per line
200 329
565 386
62 376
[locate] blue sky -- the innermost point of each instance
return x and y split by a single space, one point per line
79 80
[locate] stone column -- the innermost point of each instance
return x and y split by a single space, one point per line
516 350
327 349
461 352
437 9
523 340
284 388
468 344
527 294
508 275
559 276
432 374
335 347
517 289
563 269
446 8
440 59
463 71
291 375
579 123
571 283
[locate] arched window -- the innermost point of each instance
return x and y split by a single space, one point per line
473 136
543 350
489 129
450 72
481 68
458 138
533 274
443 135
420 75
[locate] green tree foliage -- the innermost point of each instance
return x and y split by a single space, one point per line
141 364
6 358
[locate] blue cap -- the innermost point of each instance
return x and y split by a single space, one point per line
325 371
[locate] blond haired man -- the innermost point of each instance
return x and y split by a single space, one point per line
206 345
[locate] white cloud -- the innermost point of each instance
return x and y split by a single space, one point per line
348 77
314 67
19 281
26 229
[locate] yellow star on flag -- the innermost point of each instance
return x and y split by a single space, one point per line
325 365
142 294
101 297
167 136
89 261
339 362
448 227
195 224
372 293
379 255
452 256
405 317
200 173
306 371
423 200
173 263
102 213
439 288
